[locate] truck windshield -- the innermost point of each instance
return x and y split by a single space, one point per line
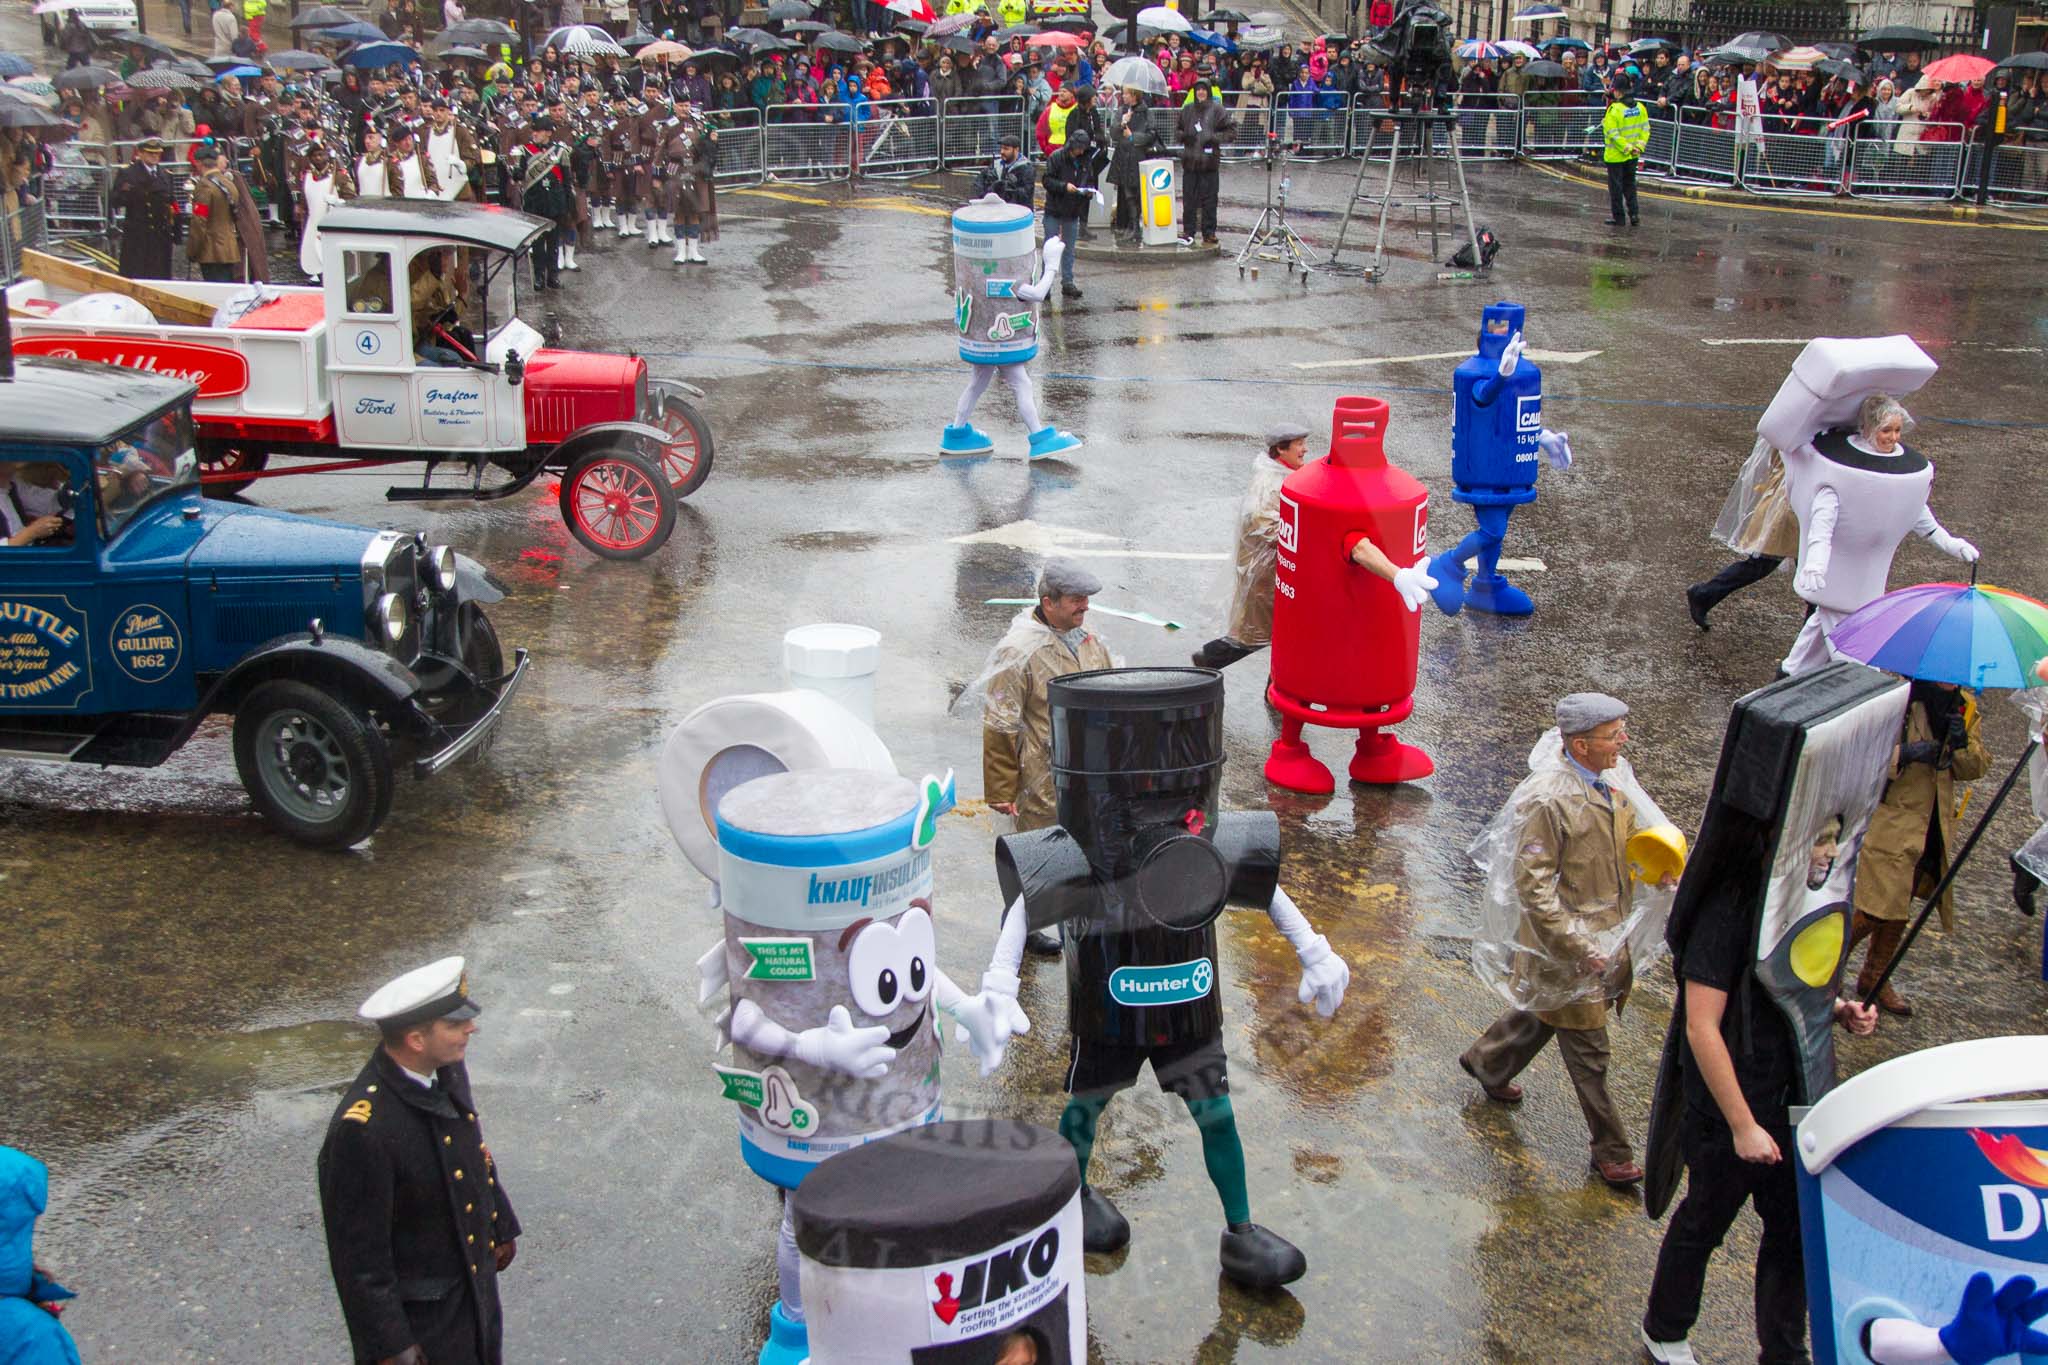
141 465
501 292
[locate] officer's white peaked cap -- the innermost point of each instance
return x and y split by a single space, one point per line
439 990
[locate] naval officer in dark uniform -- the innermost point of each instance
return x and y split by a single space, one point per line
418 1224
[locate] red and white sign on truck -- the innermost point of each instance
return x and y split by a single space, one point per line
410 348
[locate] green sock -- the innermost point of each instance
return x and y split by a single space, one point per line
1222 1153
1077 1126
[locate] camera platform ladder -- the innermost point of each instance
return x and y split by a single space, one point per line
1273 240
1430 138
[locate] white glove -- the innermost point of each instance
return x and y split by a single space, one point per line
839 1046
1557 448
1324 976
712 974
1955 547
989 1019
1810 580
1097 195
1511 356
1055 247
1414 583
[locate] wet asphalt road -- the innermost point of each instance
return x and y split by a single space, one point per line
181 980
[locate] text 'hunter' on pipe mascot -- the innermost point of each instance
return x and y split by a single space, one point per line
1135 874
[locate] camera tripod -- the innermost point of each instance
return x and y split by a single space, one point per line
1431 136
1272 239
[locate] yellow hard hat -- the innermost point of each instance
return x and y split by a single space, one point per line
1655 854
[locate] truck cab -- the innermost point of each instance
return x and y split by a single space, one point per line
131 608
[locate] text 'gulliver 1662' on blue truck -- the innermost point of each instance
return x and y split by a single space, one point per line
131 608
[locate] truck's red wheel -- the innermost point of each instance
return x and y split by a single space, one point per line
229 458
686 459
618 503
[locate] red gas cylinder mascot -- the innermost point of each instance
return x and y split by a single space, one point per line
1345 629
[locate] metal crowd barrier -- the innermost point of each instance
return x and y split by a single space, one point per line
1559 132
740 148
818 148
1489 127
75 190
1884 168
25 228
2019 175
1702 154
970 126
1787 159
898 139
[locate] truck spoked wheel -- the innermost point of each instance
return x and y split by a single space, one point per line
227 457
315 764
687 457
618 503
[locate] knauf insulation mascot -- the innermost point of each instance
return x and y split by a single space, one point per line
829 956
995 311
1134 875
1497 432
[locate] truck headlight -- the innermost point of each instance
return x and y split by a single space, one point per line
441 564
391 616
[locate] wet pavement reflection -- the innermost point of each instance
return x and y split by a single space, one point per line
181 980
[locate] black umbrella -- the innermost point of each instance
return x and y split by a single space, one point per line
638 39
137 38
838 42
914 27
706 56
1731 54
2024 61
1898 38
1543 67
323 16
804 26
1225 16
23 114
1841 52
752 37
293 59
1018 31
85 78
458 51
161 78
782 11
958 42
1768 41
191 66
481 32
1848 71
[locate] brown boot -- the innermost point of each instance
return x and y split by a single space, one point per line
1884 935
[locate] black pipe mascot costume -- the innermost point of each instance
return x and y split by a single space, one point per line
1135 874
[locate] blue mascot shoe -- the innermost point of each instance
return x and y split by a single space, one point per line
1052 441
789 1343
1498 596
965 440
1449 591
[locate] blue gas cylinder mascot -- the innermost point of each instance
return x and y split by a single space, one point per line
1497 432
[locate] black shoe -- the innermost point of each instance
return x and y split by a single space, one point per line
1635 222
1698 604
1102 1227
1258 1258
1044 942
1617 222
1070 291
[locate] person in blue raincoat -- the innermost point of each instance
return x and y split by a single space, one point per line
29 1331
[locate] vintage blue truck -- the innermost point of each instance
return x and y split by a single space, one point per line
132 608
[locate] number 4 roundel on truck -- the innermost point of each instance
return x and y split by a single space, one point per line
217 371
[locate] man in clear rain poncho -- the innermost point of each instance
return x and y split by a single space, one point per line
1043 642
1565 927
1257 554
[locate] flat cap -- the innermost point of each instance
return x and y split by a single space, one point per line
1280 433
1062 576
439 990
1583 711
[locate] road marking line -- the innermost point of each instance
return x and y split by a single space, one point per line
889 203
1524 566
1540 357
547 1014
1755 341
1041 539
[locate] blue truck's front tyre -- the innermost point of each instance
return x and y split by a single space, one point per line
315 764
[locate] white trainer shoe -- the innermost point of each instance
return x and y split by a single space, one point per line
1667 1352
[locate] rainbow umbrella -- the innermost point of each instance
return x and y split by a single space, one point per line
1973 635
1969 634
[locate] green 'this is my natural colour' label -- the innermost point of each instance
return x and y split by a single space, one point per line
778 959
